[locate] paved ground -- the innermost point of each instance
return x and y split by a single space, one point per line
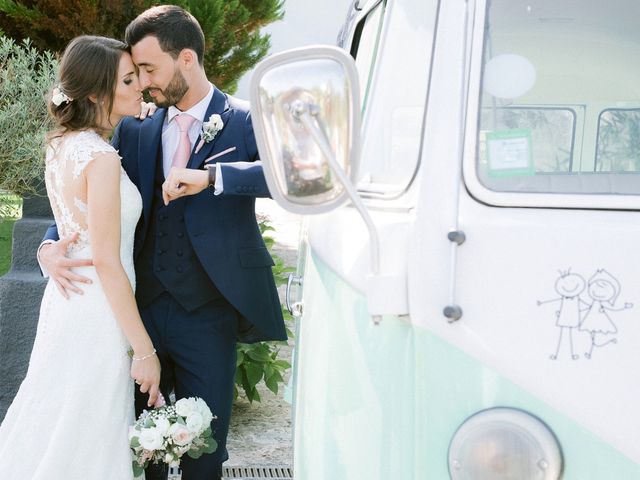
260 434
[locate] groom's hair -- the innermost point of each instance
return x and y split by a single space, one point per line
174 27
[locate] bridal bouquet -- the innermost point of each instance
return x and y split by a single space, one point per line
165 434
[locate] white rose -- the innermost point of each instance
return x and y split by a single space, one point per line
204 410
216 120
184 407
150 438
180 434
162 424
195 423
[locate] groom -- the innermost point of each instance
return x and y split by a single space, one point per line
203 272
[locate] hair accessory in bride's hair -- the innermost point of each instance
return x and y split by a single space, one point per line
59 97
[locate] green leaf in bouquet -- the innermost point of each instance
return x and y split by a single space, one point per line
135 442
194 453
137 469
211 446
207 433
180 420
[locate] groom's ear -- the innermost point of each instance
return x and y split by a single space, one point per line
188 58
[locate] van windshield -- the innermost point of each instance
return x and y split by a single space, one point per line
560 101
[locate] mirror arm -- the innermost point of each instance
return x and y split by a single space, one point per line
320 139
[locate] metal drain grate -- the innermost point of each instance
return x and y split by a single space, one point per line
253 473
245 473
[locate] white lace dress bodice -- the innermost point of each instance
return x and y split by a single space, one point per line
70 417
66 159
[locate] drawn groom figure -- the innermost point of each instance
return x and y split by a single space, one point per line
203 273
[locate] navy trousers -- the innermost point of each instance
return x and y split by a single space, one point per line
197 352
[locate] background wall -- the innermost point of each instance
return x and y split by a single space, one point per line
305 22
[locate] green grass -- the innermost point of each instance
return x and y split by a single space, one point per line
10 211
6 228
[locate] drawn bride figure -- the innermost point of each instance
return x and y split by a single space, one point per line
603 288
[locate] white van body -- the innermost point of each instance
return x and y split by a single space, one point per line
499 162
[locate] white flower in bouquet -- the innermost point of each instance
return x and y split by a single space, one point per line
151 438
184 407
180 434
162 425
203 409
165 434
195 423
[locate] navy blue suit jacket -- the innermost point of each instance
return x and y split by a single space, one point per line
223 228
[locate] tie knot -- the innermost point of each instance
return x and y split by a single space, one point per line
184 121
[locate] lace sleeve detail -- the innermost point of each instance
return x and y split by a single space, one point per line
84 149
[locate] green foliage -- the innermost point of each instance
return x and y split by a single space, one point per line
259 361
234 43
10 211
26 75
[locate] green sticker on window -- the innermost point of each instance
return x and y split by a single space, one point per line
509 153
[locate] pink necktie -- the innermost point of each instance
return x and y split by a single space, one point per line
183 152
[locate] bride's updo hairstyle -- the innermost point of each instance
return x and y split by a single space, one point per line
88 68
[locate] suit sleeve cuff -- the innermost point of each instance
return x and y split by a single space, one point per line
44 271
219 186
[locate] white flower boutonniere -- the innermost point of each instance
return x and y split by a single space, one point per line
209 130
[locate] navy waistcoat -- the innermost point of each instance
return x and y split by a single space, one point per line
167 261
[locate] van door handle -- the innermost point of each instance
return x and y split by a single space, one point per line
295 309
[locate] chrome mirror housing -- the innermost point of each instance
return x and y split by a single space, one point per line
306 116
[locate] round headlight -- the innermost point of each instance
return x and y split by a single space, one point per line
504 444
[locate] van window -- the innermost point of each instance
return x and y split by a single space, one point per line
364 47
392 50
618 141
560 97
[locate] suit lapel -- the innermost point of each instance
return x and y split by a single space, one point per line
149 147
217 105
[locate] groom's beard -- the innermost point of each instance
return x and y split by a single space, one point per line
174 92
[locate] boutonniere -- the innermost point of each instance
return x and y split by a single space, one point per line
209 130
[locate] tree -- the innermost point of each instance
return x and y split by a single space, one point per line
234 43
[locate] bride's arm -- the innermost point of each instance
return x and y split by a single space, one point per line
103 203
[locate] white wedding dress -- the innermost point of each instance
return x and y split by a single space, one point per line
70 417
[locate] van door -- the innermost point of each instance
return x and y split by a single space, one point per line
548 280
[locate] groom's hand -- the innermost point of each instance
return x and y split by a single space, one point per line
53 258
184 181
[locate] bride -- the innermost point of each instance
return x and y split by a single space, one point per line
70 417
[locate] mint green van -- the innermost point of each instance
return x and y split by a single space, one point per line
468 290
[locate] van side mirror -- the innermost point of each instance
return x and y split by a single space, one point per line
306 116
